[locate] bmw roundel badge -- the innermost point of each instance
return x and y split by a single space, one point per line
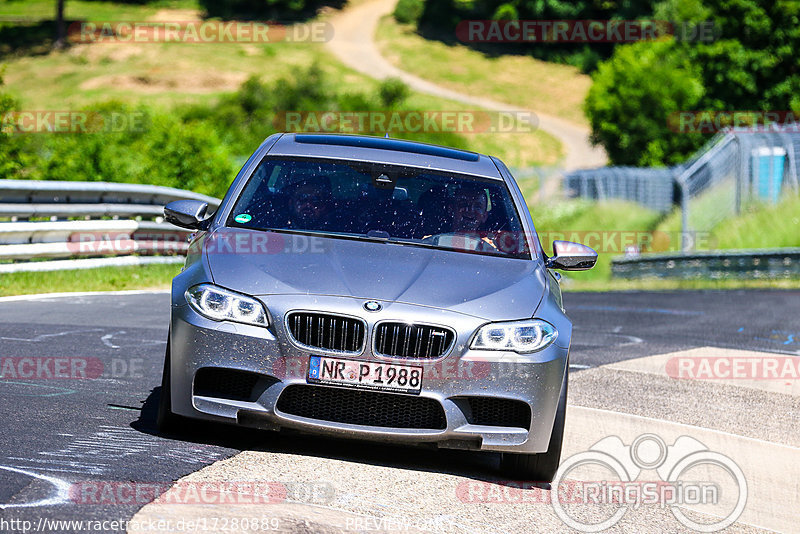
372 305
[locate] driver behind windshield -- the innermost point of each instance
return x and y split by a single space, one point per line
469 210
424 207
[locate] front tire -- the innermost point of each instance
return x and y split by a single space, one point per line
166 421
540 467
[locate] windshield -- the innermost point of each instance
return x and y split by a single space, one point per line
386 202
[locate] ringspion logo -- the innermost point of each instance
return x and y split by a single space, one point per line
608 480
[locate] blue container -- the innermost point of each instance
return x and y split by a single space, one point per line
767 169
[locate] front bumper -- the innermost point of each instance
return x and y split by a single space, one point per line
197 343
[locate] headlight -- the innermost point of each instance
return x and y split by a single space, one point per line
223 305
518 336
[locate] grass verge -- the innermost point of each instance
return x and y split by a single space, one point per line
99 279
569 284
160 277
88 10
164 75
515 79
598 225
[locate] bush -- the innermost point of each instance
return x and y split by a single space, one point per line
506 12
408 11
393 92
309 90
12 156
187 156
265 9
165 152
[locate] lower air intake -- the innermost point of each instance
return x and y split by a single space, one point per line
230 384
367 408
492 411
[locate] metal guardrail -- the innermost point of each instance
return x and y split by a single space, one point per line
117 224
90 263
44 191
747 264
652 188
30 211
734 169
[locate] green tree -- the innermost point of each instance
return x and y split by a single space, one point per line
750 63
632 97
61 29
265 9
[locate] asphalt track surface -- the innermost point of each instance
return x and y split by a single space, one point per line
59 434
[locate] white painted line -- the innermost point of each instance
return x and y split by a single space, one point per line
40 296
43 337
106 339
61 494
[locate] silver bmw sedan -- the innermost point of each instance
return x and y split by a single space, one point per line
378 289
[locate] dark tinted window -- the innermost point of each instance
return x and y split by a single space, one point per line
366 200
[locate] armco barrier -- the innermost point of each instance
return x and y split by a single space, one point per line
752 264
76 225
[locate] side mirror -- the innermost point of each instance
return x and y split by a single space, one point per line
569 256
186 213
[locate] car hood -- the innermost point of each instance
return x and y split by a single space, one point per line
269 263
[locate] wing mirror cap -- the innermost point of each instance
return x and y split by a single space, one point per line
187 213
569 256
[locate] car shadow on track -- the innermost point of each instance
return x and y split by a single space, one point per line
482 466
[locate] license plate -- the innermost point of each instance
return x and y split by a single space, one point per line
365 375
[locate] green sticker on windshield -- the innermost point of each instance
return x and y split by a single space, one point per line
243 218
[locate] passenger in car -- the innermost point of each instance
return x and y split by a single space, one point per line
310 203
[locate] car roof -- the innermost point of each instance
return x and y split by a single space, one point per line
385 150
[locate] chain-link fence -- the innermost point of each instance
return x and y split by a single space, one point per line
732 171
650 187
539 184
